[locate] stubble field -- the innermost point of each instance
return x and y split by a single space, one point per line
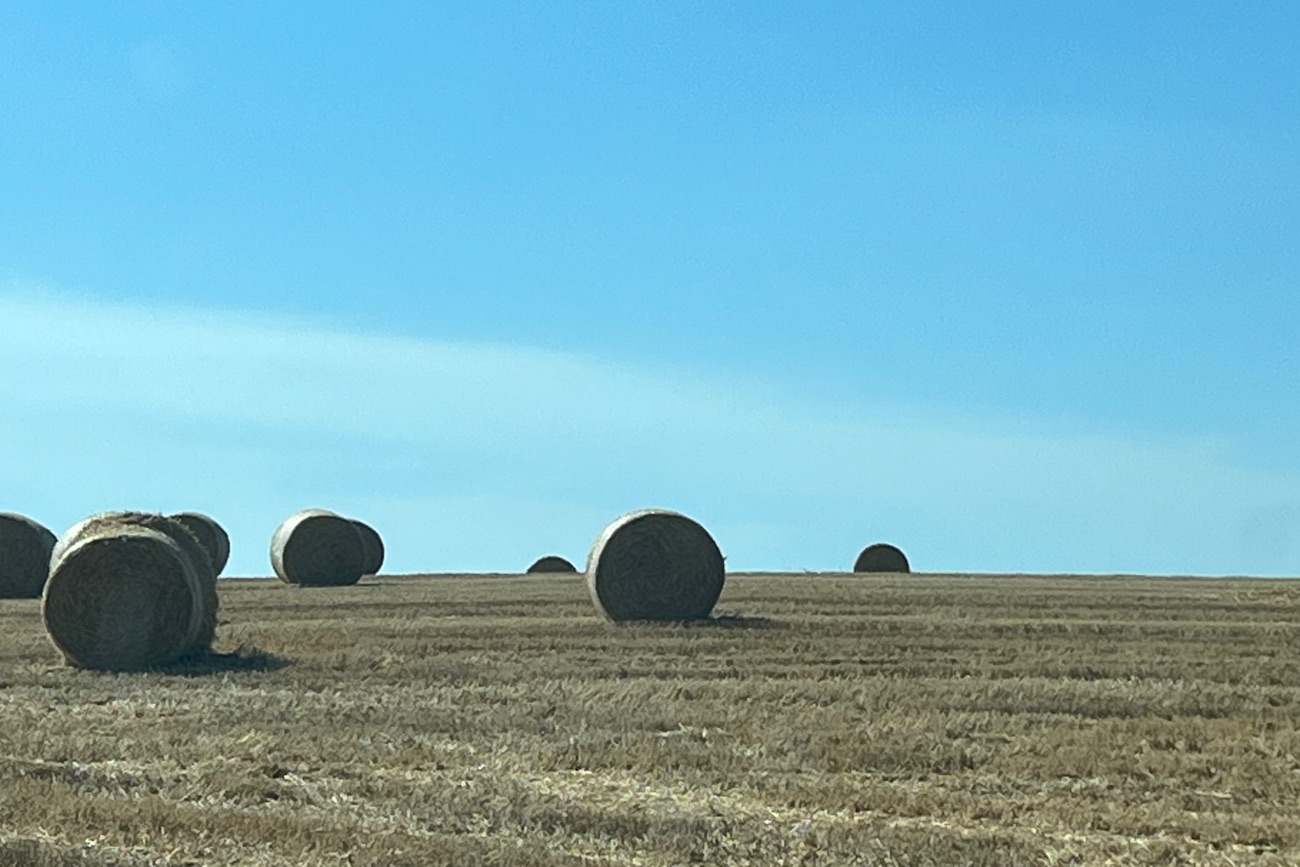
893 720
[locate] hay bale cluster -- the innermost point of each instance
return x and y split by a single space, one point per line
318 548
211 535
881 557
655 565
129 591
25 548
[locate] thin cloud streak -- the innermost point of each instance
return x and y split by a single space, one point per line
481 457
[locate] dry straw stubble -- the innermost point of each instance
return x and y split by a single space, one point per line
211 535
178 532
317 548
25 547
881 557
655 564
551 564
123 597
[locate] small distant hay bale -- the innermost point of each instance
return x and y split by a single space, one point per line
123 597
881 557
373 545
317 548
211 535
25 549
551 564
655 565
178 532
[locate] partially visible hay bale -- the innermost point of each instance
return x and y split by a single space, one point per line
123 597
373 545
881 557
317 548
25 549
211 535
551 564
655 565
179 533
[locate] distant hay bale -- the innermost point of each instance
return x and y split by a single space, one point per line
655 565
373 545
123 597
551 563
178 532
25 549
211 535
317 548
881 557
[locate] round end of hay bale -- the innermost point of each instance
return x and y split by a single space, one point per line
122 599
25 548
373 544
211 535
881 557
317 548
107 523
551 564
655 565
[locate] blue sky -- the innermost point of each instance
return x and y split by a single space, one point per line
1015 286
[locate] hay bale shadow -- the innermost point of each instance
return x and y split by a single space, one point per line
26 852
240 659
715 621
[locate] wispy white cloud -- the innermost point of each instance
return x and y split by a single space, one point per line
473 456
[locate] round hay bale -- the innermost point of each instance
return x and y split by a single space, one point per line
189 543
551 563
317 548
373 545
123 597
655 565
24 556
881 557
211 535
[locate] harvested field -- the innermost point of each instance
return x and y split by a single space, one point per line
900 720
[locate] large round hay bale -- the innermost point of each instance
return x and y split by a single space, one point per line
373 545
123 597
25 549
881 557
211 535
549 564
655 565
317 548
189 543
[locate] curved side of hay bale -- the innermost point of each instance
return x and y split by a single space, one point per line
107 522
881 557
655 564
123 598
25 547
373 544
550 564
317 548
211 535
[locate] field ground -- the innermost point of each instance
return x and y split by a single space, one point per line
893 720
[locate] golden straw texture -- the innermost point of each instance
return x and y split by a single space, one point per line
211 535
881 557
25 549
317 548
655 565
123 598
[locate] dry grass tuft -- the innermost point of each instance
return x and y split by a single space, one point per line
881 557
211 535
25 549
123 597
373 544
317 548
551 563
655 565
